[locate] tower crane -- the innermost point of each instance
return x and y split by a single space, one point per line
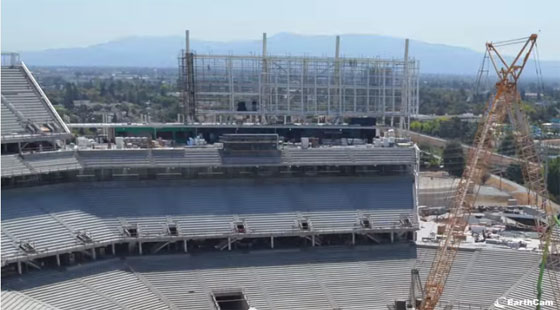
506 102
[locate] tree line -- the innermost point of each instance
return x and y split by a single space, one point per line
447 128
133 97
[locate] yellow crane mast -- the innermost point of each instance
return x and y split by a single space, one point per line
506 101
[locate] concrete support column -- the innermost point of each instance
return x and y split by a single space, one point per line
312 240
353 239
93 254
392 237
271 242
185 249
19 267
113 249
229 244
58 260
140 248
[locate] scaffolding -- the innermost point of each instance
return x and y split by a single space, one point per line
267 89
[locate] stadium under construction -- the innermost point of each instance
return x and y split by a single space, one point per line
293 96
246 220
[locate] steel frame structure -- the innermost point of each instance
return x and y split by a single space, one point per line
270 89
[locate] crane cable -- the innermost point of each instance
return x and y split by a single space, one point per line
540 88
538 69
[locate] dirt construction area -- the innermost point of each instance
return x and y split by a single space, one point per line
437 188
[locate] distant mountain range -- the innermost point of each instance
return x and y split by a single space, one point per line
163 51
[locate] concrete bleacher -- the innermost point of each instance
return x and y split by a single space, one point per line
27 115
46 162
381 156
364 277
51 219
105 286
11 124
252 161
318 156
18 300
49 228
40 229
126 289
481 275
288 279
500 269
98 229
349 155
113 158
203 157
186 157
526 287
17 88
168 157
9 248
12 165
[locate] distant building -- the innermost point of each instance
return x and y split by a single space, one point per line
78 103
533 95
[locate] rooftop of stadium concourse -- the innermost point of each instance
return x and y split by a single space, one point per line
362 277
156 125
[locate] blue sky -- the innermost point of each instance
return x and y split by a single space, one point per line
42 24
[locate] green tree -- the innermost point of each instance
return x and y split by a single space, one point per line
416 126
507 146
451 128
61 110
514 173
454 158
553 178
70 94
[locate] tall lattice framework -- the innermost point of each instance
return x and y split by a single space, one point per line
284 89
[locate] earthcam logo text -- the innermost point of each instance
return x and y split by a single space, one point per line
502 302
